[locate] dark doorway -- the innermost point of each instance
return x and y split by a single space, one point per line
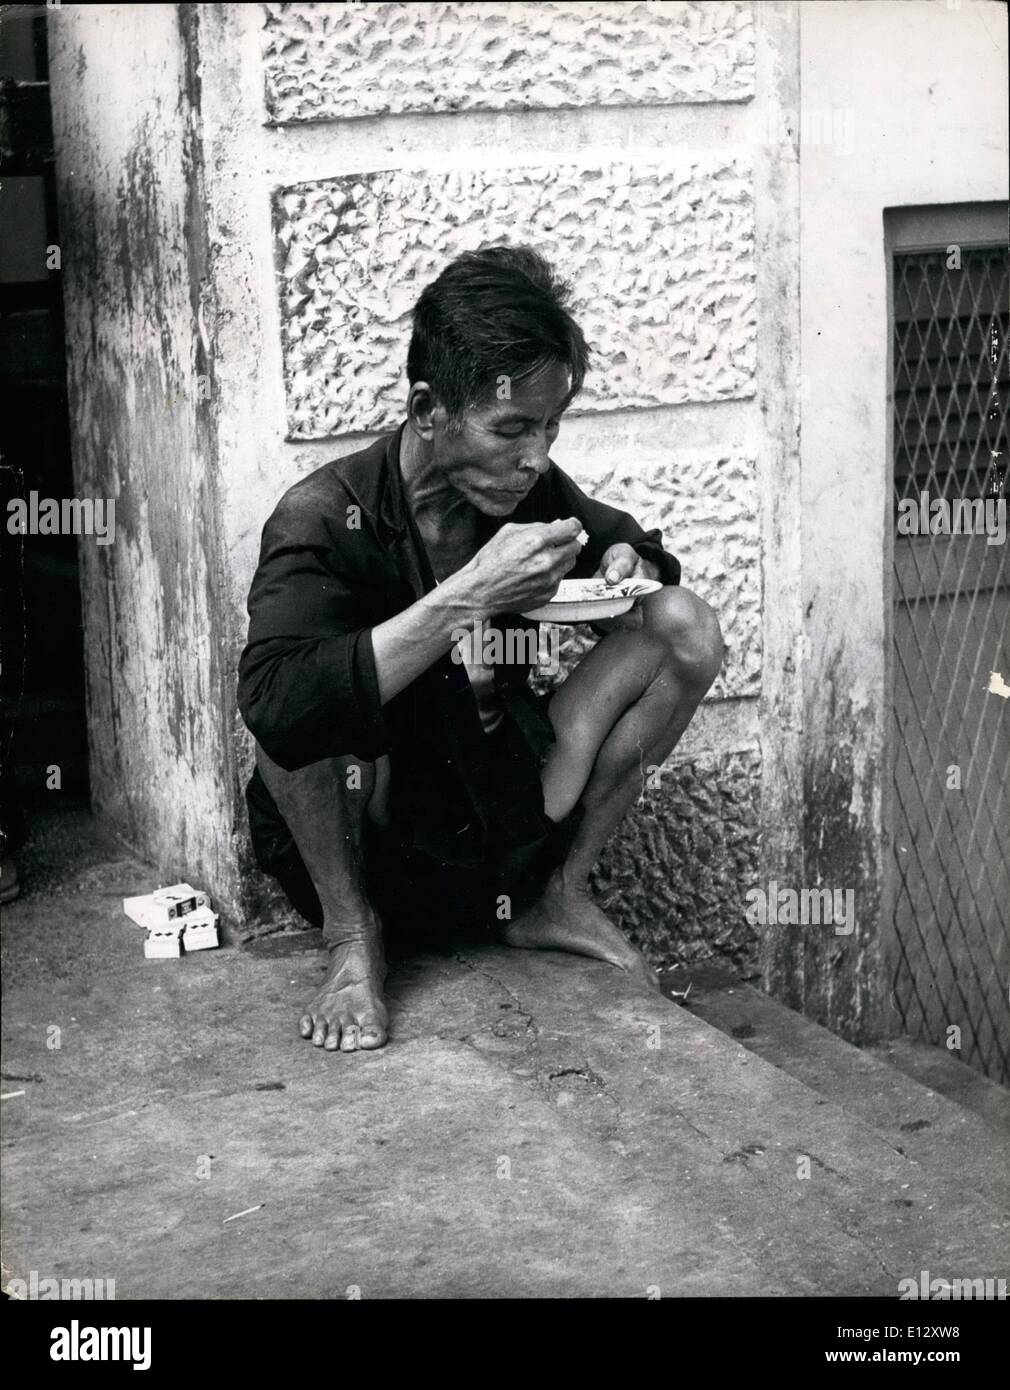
44 737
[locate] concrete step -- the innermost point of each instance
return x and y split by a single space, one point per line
181 1096
633 1166
537 1126
427 1172
863 1191
935 1131
172 1106
532 1015
936 1068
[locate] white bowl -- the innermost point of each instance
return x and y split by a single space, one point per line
589 600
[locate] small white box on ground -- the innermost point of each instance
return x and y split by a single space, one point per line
199 930
140 910
177 918
162 943
164 905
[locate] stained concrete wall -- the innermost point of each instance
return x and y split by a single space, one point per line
337 161
930 128
140 365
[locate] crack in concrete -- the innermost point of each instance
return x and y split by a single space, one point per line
746 1152
529 1049
529 1056
499 984
583 1073
828 1168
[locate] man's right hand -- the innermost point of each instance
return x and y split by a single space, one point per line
520 567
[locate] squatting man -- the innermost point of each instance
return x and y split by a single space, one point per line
395 788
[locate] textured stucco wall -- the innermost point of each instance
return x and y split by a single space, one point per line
708 507
138 299
320 64
661 260
668 876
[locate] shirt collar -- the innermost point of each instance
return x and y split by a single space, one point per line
392 503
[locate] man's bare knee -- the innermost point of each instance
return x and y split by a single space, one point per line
689 630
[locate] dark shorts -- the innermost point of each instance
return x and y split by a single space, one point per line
420 894
424 899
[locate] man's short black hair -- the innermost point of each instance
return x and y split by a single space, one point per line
493 313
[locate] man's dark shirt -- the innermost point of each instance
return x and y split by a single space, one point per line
339 555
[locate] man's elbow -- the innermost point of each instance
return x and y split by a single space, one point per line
259 715
266 735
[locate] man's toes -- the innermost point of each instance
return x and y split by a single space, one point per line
372 1034
319 1031
305 1025
332 1042
349 1037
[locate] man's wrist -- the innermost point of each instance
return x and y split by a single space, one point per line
452 606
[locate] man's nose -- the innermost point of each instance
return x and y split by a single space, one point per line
535 457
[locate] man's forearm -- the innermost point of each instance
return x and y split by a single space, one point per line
406 645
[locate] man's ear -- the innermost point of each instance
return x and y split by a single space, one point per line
421 411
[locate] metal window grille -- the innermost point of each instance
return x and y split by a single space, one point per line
951 743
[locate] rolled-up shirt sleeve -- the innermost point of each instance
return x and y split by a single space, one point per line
606 526
307 686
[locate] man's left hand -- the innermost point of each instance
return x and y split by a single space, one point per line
622 561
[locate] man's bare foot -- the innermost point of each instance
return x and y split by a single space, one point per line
567 919
349 1012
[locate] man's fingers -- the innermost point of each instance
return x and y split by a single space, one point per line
620 562
559 557
562 532
561 562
